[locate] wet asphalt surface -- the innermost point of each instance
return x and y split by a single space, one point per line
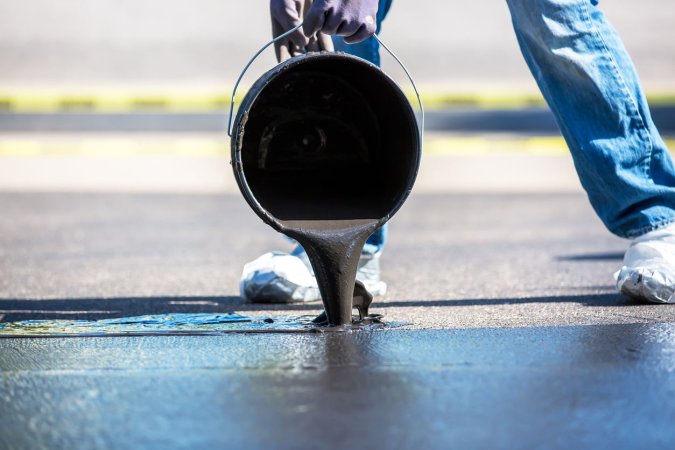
609 386
508 332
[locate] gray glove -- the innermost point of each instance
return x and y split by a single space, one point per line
353 19
286 14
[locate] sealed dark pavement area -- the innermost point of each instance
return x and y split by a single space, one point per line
609 386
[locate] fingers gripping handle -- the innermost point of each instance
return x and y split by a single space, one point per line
281 36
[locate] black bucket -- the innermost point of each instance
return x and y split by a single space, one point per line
325 138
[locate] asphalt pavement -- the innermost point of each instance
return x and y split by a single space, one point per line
453 261
502 326
502 329
595 387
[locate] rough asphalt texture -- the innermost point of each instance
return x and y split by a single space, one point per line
454 261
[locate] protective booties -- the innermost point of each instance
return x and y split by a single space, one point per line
278 277
648 271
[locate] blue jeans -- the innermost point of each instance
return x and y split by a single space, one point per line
592 88
590 84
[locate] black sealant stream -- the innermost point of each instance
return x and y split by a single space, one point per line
334 249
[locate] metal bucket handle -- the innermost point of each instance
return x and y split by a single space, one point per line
281 36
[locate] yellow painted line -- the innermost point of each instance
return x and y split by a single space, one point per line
210 146
27 101
478 145
439 100
107 102
661 99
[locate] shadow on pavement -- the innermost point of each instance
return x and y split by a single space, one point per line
105 308
611 256
534 120
613 299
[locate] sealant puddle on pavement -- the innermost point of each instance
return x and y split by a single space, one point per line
166 324
598 386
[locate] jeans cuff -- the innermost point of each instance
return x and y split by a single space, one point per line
632 234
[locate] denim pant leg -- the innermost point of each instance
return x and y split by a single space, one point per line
591 85
369 50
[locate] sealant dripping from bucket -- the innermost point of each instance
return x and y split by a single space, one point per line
334 254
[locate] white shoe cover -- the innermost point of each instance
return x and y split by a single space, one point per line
278 277
648 271
369 274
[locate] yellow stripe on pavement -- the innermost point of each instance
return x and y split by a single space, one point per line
48 101
478 145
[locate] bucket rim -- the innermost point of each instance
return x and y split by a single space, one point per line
255 91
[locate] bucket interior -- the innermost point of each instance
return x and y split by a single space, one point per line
329 139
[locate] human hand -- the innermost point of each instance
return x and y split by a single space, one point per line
353 19
286 15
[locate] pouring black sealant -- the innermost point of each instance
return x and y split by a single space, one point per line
334 254
326 149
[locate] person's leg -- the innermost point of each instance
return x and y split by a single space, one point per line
591 85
